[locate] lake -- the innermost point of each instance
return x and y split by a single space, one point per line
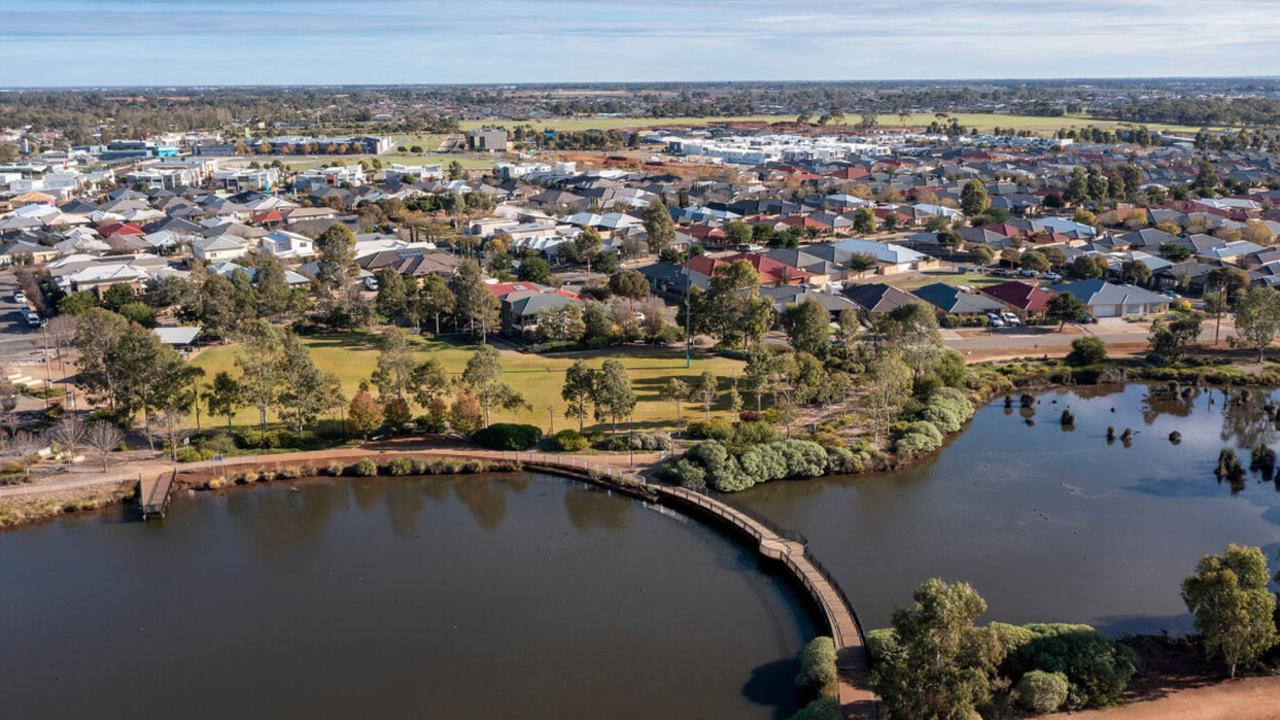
1047 523
470 596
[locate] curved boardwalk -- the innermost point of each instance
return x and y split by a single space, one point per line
772 542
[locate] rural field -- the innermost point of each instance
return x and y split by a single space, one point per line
353 356
982 121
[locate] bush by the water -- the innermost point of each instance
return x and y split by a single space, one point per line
1042 692
818 675
400 466
569 441
508 436
363 467
918 438
1097 668
820 709
1088 350
636 441
712 464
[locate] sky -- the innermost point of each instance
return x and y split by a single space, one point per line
268 42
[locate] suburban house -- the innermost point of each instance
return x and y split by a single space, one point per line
1022 299
1106 300
772 272
951 300
287 246
786 295
890 259
876 299
219 247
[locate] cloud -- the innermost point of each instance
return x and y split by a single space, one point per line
399 41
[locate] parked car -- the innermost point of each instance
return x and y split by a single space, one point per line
1011 320
32 318
1026 273
371 283
995 320
20 298
1052 276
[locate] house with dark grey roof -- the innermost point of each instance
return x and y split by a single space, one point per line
876 299
520 310
1107 300
786 295
950 300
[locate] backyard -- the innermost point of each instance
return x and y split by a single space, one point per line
353 357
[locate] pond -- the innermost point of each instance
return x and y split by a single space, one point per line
1048 523
471 596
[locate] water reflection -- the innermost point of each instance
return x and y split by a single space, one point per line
590 508
1050 525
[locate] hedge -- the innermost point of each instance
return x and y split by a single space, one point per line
1042 692
569 441
726 472
818 672
507 436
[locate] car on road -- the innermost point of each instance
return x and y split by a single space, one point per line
20 298
1051 277
32 318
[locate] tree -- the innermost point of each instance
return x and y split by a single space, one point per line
483 377
888 385
1228 278
76 303
465 414
97 331
1136 273
562 324
586 246
473 301
1233 608
1171 339
659 229
1034 260
395 364
738 233
731 309
629 284
1257 233
579 391
677 391
705 390
1215 302
1063 308
337 265
1174 252
940 666
1085 267
536 270
429 381
392 301
974 199
614 397
261 368
219 310
911 331
864 221
306 393
433 299
1257 314
271 288
104 438
982 255
363 414
862 262
224 396
808 326
1087 350
68 434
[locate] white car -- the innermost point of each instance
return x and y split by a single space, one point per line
1010 319
20 298
995 320
371 283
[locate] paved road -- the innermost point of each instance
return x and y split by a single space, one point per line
19 343
1008 342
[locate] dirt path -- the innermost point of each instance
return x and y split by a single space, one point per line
1246 699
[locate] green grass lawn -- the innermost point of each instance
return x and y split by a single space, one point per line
983 121
352 357
919 280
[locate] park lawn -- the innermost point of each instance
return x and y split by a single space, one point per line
353 356
919 280
985 122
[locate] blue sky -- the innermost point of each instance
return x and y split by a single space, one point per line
185 42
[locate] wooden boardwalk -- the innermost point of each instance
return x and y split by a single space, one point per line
154 491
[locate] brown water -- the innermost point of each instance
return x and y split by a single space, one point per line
446 597
1048 524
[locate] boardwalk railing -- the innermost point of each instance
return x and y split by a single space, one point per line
154 494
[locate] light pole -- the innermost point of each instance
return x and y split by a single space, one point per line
688 317
551 416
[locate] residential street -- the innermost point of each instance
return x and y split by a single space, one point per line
1121 337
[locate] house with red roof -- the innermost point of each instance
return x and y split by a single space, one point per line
120 229
1023 299
772 272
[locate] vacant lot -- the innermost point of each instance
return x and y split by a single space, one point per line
353 356
919 280
982 121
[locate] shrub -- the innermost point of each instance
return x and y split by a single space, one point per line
1088 350
335 468
688 474
918 438
508 436
363 468
818 667
1097 668
569 441
189 453
721 468
881 642
400 466
269 440
821 709
220 443
1042 692
714 429
753 433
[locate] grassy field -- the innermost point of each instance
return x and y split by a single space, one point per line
352 357
919 280
982 121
